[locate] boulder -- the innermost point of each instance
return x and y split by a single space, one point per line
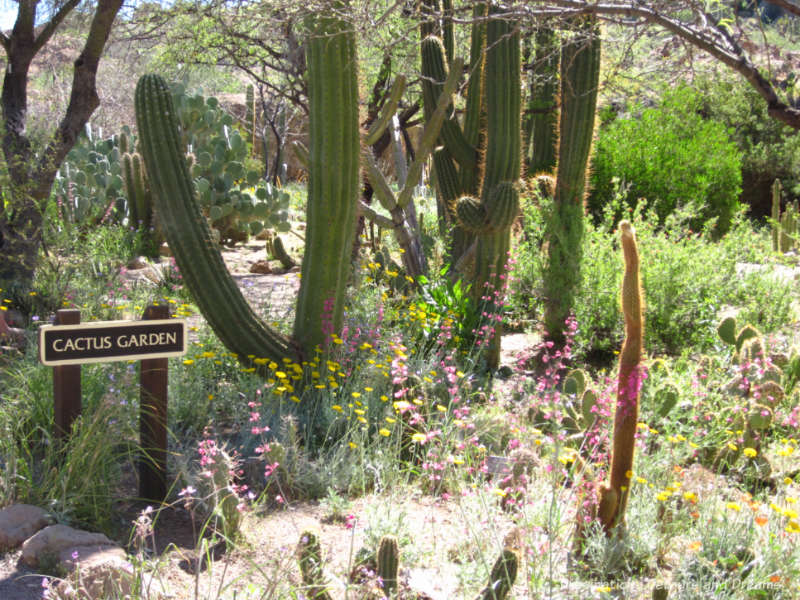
52 540
18 523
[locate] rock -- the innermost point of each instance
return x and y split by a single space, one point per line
261 267
140 262
51 540
11 335
71 558
18 523
99 576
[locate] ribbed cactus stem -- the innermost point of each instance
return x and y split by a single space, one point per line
333 186
187 232
543 103
491 219
222 467
776 215
250 116
502 576
580 71
309 558
614 495
388 563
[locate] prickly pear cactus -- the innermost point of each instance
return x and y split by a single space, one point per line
89 185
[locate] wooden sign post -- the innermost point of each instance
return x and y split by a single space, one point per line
68 343
153 418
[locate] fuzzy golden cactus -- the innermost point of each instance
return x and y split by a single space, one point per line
613 495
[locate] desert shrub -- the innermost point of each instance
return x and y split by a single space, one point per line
688 280
770 150
671 156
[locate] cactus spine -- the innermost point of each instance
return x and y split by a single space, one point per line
491 217
580 71
388 562
614 494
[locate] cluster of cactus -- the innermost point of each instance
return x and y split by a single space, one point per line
613 495
784 224
89 184
456 164
331 209
277 250
387 568
236 201
760 385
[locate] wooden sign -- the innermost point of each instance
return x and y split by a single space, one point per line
67 344
110 341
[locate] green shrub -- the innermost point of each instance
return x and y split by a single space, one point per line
672 157
688 280
770 150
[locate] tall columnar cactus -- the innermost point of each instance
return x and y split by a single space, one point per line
456 164
332 197
613 496
580 71
542 109
491 217
140 200
333 185
251 126
388 561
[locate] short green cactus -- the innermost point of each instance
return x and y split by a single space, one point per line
502 576
278 251
784 225
309 558
388 561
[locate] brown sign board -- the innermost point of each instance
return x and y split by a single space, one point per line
109 341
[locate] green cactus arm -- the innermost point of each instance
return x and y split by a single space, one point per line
434 72
428 140
543 103
187 232
387 112
333 183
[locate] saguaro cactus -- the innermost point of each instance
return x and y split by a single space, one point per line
388 561
580 70
491 217
614 495
332 198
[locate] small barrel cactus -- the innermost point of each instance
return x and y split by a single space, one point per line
388 561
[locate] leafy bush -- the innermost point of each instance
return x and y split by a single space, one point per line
688 280
673 157
770 150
